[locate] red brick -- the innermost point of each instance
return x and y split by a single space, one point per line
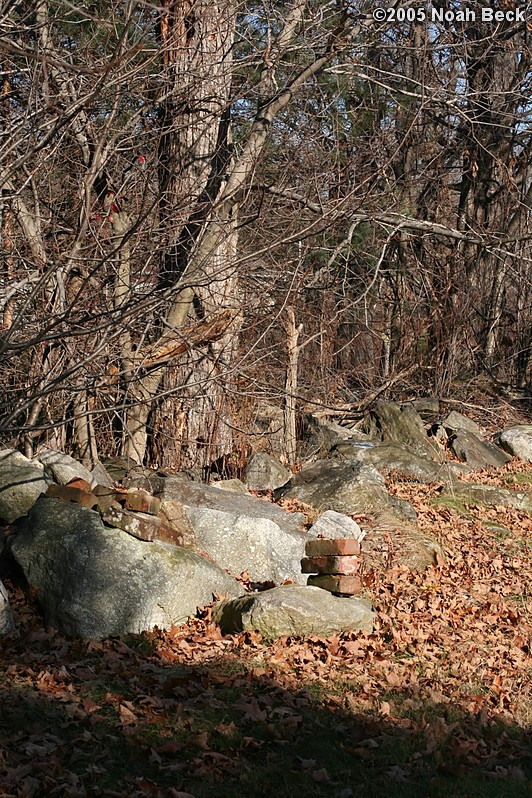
347 565
105 502
338 546
142 501
344 585
69 494
79 483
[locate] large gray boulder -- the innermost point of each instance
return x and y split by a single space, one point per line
389 457
391 423
21 483
264 472
7 624
347 487
94 581
294 610
61 467
240 532
476 452
517 441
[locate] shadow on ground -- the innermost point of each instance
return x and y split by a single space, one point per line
112 719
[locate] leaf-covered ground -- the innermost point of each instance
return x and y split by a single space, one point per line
436 702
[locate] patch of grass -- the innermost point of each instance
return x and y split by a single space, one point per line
450 502
519 478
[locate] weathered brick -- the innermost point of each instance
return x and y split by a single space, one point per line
142 501
79 483
140 525
69 494
344 585
106 502
168 534
347 565
338 546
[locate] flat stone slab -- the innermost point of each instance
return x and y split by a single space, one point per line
477 452
338 547
294 610
472 493
456 421
389 457
339 584
347 565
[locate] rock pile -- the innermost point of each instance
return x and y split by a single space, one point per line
122 549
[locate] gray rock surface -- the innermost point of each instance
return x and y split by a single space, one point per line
474 451
94 581
101 476
347 487
392 457
61 468
294 610
428 407
240 532
264 472
320 433
233 485
456 421
21 482
331 525
7 624
517 441
391 423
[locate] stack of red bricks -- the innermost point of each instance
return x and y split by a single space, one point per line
334 565
135 511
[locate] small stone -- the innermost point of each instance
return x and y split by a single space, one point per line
331 524
338 546
264 472
61 467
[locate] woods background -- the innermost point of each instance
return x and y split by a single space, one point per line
210 209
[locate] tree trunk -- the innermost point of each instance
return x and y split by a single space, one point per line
290 432
190 425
